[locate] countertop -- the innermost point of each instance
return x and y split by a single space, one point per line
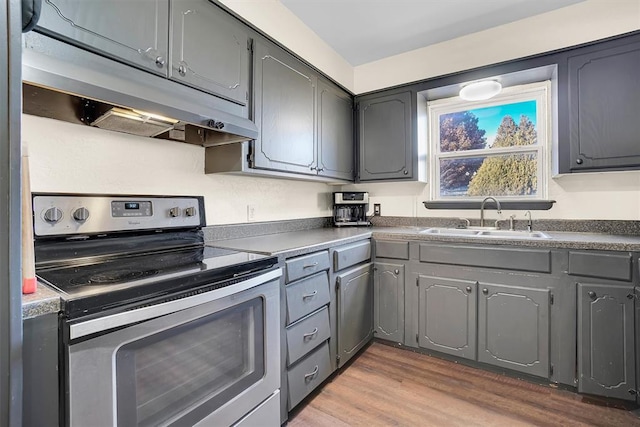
295 243
301 242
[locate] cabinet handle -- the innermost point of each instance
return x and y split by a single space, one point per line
630 296
579 161
313 168
310 265
396 271
311 295
406 172
311 375
469 289
160 61
320 169
309 334
485 291
592 295
182 70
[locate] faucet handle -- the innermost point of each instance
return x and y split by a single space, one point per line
466 220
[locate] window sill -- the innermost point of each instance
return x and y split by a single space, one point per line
532 205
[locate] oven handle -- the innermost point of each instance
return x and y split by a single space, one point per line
101 324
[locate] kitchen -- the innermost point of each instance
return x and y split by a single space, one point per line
123 164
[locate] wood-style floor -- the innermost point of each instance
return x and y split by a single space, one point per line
387 386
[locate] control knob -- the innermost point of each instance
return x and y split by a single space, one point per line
81 214
191 211
52 215
174 212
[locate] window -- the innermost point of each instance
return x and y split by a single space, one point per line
491 148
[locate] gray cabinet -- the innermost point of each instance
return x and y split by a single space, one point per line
209 51
355 311
388 301
606 334
284 90
386 137
604 100
135 32
513 328
306 123
335 132
447 316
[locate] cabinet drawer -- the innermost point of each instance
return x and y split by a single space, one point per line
304 266
606 266
307 334
395 250
306 296
308 374
348 255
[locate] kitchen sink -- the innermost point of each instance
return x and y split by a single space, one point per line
503 234
516 234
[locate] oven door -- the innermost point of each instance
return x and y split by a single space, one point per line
207 359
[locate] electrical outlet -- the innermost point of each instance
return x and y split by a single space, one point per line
376 209
251 213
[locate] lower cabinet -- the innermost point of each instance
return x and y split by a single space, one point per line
447 316
355 311
388 301
308 374
513 328
606 340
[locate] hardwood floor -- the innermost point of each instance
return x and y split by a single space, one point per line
387 386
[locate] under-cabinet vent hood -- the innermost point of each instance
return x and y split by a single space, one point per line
67 83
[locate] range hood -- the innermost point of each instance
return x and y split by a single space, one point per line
67 83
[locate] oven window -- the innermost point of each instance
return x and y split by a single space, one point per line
201 364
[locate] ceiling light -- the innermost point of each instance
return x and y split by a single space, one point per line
480 91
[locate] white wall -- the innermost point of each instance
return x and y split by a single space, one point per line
273 18
65 157
568 26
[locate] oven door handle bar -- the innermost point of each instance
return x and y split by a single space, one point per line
146 313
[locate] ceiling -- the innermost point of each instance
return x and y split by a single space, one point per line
362 31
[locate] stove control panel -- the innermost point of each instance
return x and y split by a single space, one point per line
60 215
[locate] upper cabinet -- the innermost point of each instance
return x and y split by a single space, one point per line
603 87
306 123
135 32
335 132
209 51
386 137
285 104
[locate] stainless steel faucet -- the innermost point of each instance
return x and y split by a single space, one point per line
529 222
498 208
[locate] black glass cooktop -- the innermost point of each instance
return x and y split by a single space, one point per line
90 286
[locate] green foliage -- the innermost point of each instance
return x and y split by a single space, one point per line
514 175
459 132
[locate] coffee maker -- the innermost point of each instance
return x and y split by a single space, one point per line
350 208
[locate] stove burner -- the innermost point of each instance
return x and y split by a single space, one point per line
111 277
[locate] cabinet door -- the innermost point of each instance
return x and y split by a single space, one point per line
284 92
447 316
209 50
355 311
135 32
385 137
604 100
606 353
513 328
388 301
335 132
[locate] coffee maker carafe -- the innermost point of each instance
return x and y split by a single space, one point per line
350 208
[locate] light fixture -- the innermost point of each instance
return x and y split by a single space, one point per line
480 91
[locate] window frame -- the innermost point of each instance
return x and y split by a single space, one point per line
539 91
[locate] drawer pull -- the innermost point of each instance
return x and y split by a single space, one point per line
309 335
311 295
311 375
310 265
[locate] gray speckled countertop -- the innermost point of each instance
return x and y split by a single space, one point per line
566 240
295 243
43 301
